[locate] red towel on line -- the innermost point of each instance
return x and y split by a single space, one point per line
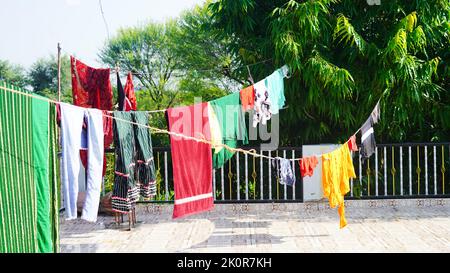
191 160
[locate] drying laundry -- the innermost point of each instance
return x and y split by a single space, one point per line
91 87
247 98
126 97
352 144
215 129
368 144
191 160
284 171
135 167
231 119
376 113
275 87
125 192
145 164
261 110
337 169
108 140
307 165
29 209
72 118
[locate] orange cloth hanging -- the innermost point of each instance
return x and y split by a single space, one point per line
337 169
247 98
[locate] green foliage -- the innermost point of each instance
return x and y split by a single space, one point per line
43 77
344 56
14 74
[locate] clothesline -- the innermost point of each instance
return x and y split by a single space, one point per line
163 131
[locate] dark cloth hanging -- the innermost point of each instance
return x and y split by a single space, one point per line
145 164
120 93
135 168
125 192
368 144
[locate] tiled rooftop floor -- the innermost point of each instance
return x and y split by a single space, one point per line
373 226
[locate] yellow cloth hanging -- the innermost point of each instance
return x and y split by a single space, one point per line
216 132
337 169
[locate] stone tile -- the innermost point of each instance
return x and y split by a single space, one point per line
410 225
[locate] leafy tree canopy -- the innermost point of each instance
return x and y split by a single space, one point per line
344 56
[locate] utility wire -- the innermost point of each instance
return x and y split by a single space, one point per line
104 19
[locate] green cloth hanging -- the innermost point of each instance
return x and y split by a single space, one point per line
28 188
231 119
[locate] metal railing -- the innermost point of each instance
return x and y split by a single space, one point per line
406 170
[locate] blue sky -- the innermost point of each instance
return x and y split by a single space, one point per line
32 28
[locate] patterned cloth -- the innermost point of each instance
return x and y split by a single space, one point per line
91 87
135 168
261 110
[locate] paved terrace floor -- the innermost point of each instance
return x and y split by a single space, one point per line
411 225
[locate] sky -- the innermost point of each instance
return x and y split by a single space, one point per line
31 29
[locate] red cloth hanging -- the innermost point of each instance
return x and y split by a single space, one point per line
352 144
307 165
91 87
191 160
130 103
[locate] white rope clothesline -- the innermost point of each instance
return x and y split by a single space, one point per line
163 131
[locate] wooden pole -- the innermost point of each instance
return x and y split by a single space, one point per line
59 72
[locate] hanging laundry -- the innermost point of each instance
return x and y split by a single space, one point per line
307 165
215 129
191 160
108 140
72 118
126 97
29 209
352 144
337 169
125 192
376 113
261 110
145 163
247 98
91 87
135 174
368 144
275 86
284 171
231 119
